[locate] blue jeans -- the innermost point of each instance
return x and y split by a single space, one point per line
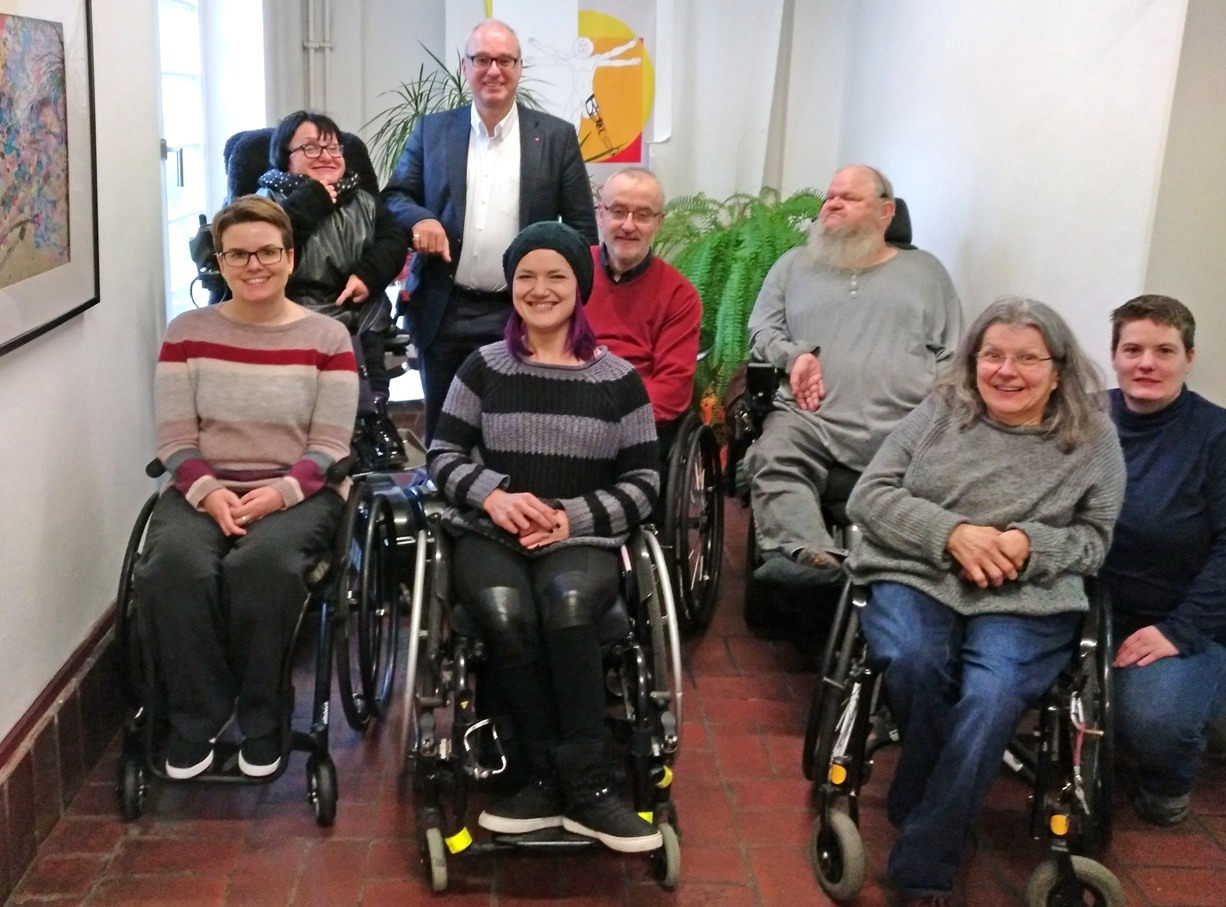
957 687
1163 711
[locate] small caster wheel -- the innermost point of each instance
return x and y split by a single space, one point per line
666 862
1045 886
838 856
131 788
321 789
436 859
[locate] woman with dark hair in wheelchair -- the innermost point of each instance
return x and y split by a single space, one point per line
546 448
348 248
982 514
255 399
1166 570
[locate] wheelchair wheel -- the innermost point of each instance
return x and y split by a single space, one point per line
838 856
694 523
127 640
666 862
131 787
436 859
1099 886
1094 687
757 606
367 601
321 789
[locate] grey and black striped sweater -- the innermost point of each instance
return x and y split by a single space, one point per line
581 438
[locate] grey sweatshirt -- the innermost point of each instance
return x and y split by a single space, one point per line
932 474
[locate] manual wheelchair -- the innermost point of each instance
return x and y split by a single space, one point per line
1067 754
354 602
451 740
692 527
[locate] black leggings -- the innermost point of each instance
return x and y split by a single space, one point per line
540 617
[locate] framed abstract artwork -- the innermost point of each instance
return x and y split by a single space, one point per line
48 192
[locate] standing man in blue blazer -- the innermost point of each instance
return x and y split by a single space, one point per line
468 181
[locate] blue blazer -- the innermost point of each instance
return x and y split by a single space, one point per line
431 181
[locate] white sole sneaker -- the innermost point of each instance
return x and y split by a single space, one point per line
257 771
506 826
182 773
642 844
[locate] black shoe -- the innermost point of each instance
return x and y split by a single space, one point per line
598 813
187 759
537 806
592 806
259 757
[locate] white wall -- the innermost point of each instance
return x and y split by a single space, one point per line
1186 259
1027 138
77 401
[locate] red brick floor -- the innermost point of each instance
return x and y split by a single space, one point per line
743 806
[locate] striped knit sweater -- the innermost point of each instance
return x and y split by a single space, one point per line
581 438
240 405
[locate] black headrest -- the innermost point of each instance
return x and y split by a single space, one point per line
246 158
898 233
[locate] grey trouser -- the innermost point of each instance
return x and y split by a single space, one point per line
220 612
787 468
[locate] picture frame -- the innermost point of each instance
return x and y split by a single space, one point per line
48 171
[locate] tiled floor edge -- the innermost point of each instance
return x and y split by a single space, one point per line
51 749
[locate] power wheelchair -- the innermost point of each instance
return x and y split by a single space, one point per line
354 603
453 741
746 415
1067 755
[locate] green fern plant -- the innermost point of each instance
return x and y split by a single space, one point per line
725 249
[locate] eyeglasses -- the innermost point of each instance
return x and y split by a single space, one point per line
312 150
483 61
997 359
239 258
642 216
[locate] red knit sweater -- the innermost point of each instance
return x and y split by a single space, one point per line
651 321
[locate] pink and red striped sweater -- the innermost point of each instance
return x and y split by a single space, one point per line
241 405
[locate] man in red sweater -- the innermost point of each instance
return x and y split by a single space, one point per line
641 307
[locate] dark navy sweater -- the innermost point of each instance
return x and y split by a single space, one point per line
1167 565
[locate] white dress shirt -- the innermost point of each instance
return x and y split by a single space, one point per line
491 212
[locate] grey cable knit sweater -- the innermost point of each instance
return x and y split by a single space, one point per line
932 474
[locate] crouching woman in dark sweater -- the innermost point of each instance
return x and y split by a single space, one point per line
1166 570
546 449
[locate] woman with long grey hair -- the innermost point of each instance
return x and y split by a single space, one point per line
982 513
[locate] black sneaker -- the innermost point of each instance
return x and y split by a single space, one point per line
187 759
537 806
601 815
259 757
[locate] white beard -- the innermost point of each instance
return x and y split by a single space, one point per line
843 250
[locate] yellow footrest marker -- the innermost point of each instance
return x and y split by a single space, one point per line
459 841
666 779
838 774
1059 825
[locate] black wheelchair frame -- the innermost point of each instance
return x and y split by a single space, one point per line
354 600
1068 756
450 743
